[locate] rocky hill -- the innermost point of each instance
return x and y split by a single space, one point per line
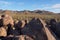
27 11
35 29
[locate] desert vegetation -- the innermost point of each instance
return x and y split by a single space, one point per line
29 25
22 15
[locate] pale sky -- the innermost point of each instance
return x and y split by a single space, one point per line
48 5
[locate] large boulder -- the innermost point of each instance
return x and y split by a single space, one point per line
7 19
3 32
57 31
49 33
19 23
35 30
23 23
55 27
11 31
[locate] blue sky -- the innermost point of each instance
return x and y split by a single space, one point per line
49 5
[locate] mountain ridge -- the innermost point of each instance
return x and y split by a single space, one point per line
28 11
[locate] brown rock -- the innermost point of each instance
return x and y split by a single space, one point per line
20 37
7 20
50 35
3 32
25 37
23 23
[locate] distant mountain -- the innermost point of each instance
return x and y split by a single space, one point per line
27 11
42 12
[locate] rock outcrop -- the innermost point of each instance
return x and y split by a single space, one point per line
3 32
35 29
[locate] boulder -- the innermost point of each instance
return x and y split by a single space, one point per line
35 30
3 32
55 27
20 37
23 23
7 20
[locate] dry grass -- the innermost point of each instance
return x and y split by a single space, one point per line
29 16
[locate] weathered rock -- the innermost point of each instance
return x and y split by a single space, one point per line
1 22
3 32
35 30
57 31
12 31
7 20
17 26
25 37
50 35
20 37
23 23
55 27
20 23
0 16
